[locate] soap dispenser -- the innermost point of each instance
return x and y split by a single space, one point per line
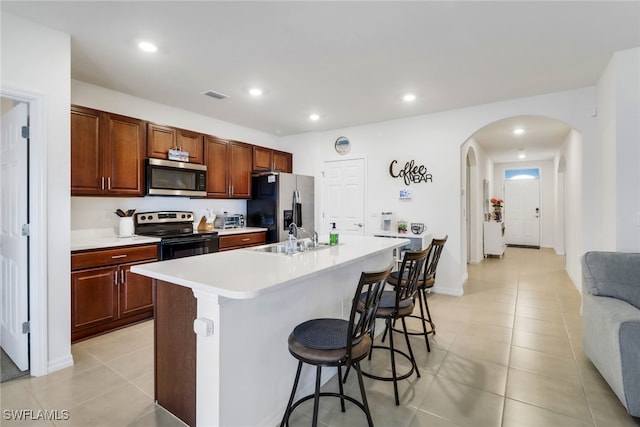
290 246
333 235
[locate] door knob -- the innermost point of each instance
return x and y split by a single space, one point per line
359 224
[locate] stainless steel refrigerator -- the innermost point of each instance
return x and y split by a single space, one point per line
280 199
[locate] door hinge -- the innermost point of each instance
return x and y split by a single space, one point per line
25 229
26 327
25 132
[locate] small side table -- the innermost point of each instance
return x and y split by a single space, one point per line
494 238
418 241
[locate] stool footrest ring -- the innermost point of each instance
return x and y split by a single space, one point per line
398 377
324 394
431 324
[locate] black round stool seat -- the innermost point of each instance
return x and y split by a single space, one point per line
329 342
324 342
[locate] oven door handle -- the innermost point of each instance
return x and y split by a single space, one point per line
187 240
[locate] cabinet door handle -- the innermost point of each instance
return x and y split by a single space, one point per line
118 256
122 277
102 183
246 239
115 277
109 183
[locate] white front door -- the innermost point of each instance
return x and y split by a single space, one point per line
343 189
13 245
522 212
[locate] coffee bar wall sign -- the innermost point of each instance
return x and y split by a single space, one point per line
410 173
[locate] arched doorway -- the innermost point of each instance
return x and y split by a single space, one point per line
495 147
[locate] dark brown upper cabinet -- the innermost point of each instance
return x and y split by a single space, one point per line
268 159
161 139
229 166
107 154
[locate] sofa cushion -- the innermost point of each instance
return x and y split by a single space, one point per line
612 274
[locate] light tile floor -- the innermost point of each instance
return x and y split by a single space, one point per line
507 353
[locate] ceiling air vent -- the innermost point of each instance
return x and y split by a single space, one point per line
214 94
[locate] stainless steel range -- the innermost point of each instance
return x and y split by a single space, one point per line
175 229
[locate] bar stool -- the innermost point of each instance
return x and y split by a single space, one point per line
425 283
338 343
399 304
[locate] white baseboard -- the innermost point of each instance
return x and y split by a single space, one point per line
447 291
60 363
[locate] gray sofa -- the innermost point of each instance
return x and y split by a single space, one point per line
611 320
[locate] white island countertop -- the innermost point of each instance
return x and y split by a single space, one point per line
247 273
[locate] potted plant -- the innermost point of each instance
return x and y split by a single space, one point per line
497 208
402 227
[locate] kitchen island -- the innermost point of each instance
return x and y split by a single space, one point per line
239 372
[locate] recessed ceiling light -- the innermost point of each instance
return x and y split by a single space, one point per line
521 154
148 46
314 117
255 91
518 131
409 97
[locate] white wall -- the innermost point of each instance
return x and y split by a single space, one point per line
606 166
483 170
36 60
572 153
547 191
435 140
100 98
618 92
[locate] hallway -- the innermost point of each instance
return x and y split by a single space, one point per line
507 353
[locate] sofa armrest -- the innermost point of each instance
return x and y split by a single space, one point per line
611 339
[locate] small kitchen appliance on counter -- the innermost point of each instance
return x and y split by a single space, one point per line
228 221
175 229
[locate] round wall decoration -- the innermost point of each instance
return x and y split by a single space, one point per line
342 145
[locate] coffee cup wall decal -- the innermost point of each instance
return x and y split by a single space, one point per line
411 173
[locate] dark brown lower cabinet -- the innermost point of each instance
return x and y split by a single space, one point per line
175 350
105 294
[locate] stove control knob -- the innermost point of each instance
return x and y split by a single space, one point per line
142 218
188 216
183 216
150 217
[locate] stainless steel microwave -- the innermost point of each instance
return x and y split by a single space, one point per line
172 178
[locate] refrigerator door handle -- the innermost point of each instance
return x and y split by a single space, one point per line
297 208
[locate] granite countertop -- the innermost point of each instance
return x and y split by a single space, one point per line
248 273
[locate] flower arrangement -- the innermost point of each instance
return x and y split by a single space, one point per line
497 208
497 203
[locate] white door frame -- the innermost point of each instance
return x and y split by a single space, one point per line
38 296
324 228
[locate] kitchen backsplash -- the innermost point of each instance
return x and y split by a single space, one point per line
98 212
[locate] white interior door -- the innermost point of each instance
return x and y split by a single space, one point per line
343 188
522 212
13 245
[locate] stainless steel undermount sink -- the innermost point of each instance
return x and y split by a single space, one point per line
280 248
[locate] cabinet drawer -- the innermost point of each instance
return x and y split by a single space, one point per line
240 240
119 255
